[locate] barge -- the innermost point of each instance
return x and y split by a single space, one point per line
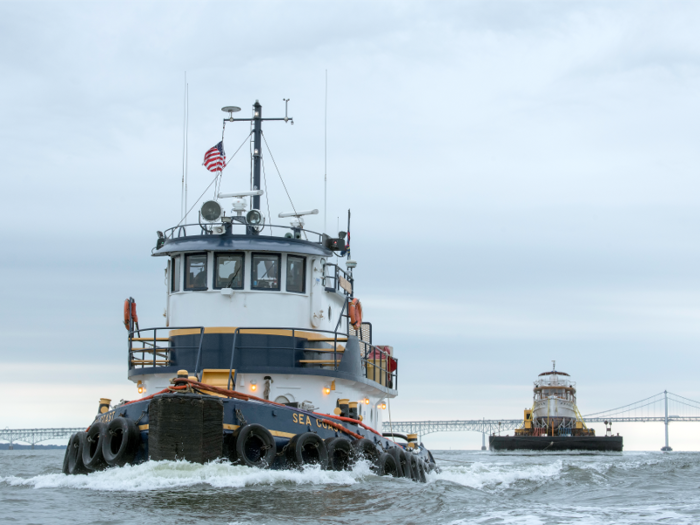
264 359
554 421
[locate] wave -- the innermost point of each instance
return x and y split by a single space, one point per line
497 475
158 475
579 515
493 474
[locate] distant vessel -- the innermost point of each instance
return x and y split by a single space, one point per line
554 421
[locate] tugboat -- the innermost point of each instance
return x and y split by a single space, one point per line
554 421
265 358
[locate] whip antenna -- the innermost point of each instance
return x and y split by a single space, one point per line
325 160
184 125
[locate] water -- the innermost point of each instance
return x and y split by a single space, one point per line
474 487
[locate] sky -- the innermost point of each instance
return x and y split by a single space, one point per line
522 178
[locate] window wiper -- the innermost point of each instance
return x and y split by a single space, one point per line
235 274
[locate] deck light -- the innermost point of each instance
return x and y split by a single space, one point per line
326 390
141 388
366 401
253 217
383 406
253 386
211 211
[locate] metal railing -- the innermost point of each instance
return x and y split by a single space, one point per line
148 350
157 347
379 365
238 228
332 282
294 337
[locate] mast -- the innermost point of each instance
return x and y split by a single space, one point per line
257 139
257 132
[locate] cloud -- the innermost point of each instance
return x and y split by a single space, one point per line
522 175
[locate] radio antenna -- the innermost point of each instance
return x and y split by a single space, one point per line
184 126
187 137
325 160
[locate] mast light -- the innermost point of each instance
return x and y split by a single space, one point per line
230 110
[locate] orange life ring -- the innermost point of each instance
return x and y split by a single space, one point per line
130 313
355 311
126 313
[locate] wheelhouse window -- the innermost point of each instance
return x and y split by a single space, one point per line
265 272
296 273
175 274
228 271
196 272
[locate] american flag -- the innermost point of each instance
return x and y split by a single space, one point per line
215 158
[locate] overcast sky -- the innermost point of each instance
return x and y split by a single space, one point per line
523 178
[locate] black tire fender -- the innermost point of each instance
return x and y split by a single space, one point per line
421 470
339 450
407 464
121 442
415 473
307 449
399 459
254 446
64 469
75 454
92 450
366 449
386 466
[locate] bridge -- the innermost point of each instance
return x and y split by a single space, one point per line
652 409
33 436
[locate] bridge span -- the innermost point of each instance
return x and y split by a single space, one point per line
652 409
32 436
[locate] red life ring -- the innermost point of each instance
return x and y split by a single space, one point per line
355 311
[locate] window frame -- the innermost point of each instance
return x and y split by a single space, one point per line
216 269
186 271
253 271
175 262
303 274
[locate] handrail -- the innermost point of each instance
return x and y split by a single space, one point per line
335 278
182 229
380 360
162 351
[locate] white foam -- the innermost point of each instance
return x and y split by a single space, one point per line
157 475
496 475
635 515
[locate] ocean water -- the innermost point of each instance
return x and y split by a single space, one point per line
473 487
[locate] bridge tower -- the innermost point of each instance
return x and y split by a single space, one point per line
666 448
